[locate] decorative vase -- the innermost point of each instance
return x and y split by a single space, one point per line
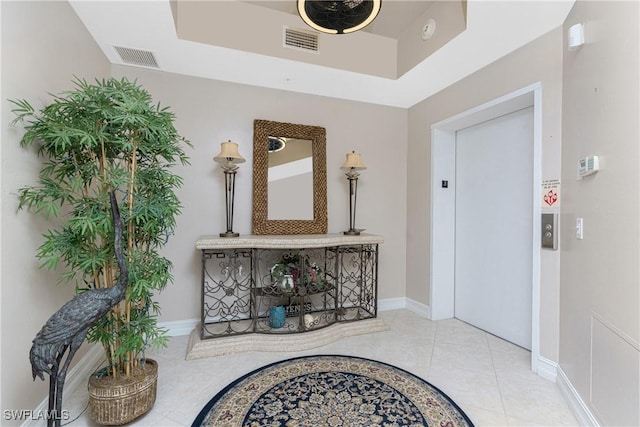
286 283
277 317
309 320
120 400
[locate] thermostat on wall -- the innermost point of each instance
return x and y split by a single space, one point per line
587 166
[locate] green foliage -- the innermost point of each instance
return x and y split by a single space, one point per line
95 138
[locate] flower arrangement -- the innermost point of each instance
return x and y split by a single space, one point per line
295 274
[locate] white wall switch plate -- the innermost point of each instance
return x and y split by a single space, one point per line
579 228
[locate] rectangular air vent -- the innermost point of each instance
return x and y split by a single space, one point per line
300 39
137 57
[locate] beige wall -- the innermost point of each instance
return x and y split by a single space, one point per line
43 46
600 281
209 112
540 60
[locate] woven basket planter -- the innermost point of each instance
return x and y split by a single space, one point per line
117 401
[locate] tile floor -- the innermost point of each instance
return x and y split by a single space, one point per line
486 376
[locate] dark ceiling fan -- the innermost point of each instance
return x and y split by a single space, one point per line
338 17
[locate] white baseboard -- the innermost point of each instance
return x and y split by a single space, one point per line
403 302
419 308
579 408
551 371
179 328
547 369
392 304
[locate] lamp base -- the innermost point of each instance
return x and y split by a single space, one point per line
229 234
353 232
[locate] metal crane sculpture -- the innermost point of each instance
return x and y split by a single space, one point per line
67 328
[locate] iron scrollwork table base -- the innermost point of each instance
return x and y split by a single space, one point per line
240 293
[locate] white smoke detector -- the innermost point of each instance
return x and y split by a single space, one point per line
428 29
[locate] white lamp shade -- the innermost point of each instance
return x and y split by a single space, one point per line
353 163
229 154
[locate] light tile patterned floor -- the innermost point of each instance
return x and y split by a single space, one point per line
486 376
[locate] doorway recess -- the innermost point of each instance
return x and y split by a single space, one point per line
442 227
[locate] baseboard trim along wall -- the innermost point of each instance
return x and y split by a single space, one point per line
578 406
418 308
392 304
547 369
180 328
550 370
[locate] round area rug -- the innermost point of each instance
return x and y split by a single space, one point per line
333 391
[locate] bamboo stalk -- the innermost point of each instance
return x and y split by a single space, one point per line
130 240
112 354
129 354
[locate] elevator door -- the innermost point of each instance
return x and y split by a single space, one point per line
493 226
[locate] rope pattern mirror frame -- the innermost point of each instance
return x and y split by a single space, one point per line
262 130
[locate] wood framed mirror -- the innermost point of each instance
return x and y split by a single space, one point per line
289 178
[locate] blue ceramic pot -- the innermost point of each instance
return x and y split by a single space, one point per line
277 317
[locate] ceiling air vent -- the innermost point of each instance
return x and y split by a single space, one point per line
137 57
300 39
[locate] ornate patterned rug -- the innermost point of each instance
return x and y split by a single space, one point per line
333 391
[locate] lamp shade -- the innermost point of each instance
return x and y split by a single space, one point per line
229 154
340 16
353 163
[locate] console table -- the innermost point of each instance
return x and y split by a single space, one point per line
334 280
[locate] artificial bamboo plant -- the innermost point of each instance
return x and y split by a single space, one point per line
93 139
